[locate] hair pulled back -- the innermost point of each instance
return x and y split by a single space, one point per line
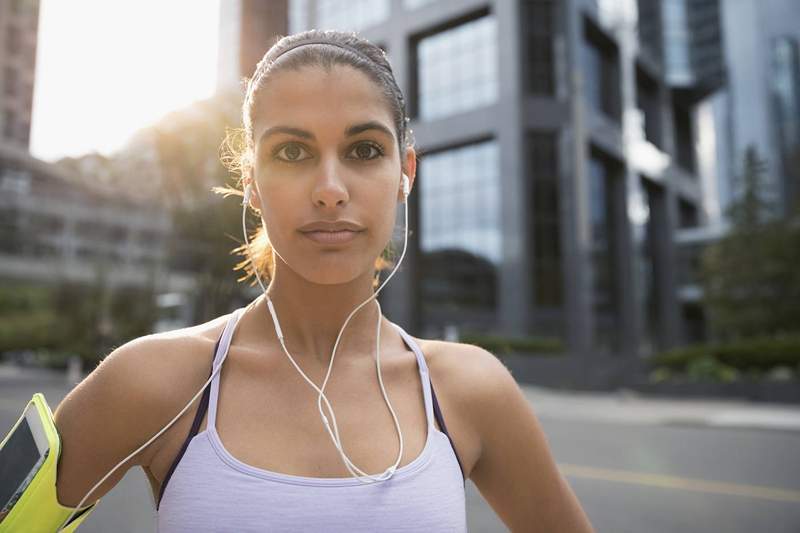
239 146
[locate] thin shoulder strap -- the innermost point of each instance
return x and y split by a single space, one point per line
198 417
219 359
432 408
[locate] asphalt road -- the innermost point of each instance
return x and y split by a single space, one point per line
629 477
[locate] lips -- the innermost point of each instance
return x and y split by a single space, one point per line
338 225
332 237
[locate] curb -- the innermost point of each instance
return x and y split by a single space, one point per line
631 408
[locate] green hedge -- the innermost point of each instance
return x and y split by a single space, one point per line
498 344
759 354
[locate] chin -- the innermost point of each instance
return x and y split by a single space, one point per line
333 270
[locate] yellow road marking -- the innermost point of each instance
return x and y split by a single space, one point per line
683 483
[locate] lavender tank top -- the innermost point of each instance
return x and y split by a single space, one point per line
209 490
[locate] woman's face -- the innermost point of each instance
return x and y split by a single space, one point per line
326 151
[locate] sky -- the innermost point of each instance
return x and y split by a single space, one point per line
105 69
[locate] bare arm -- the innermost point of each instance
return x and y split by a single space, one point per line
516 472
108 415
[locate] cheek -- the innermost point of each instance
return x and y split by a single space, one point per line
385 217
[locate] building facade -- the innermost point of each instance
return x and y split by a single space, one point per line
56 225
557 159
19 21
247 28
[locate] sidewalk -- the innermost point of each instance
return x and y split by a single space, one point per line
622 407
629 407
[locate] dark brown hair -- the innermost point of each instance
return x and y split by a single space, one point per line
239 146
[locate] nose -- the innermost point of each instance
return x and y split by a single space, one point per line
329 188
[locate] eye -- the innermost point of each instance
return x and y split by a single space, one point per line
367 151
291 151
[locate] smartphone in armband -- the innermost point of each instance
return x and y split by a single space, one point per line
28 467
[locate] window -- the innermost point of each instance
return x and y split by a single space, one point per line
684 135
458 69
785 88
648 28
351 15
601 72
687 214
460 226
649 105
546 231
9 123
538 21
27 7
13 44
676 39
415 4
651 261
604 200
9 82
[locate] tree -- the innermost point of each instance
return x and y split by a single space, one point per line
750 277
187 146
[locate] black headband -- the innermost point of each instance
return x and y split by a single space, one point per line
322 41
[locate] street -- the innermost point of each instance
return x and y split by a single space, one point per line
637 465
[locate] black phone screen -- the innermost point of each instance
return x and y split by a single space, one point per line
19 458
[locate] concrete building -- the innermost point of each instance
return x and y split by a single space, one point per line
54 228
19 21
247 28
57 225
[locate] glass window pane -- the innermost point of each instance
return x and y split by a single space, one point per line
351 15
458 69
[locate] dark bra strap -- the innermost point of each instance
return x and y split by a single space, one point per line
198 418
437 412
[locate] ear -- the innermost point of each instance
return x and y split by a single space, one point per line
410 170
248 179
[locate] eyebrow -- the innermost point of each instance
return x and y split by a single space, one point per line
355 129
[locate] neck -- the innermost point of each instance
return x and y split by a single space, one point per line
311 316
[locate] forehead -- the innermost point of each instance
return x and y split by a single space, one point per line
314 97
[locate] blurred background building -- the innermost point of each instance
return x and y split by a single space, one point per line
575 158
65 224
760 103
19 21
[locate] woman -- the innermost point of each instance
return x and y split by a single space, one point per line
326 146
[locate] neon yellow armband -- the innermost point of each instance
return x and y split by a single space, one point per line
37 509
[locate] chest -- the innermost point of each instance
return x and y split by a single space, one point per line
267 417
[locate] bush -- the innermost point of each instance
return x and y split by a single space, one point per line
499 344
754 356
708 368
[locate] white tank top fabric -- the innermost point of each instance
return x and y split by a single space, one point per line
212 491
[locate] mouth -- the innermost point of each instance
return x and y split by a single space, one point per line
332 237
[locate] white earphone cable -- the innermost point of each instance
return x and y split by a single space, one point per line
335 434
389 472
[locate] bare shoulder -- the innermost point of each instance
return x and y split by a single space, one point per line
470 373
120 405
471 385
510 460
